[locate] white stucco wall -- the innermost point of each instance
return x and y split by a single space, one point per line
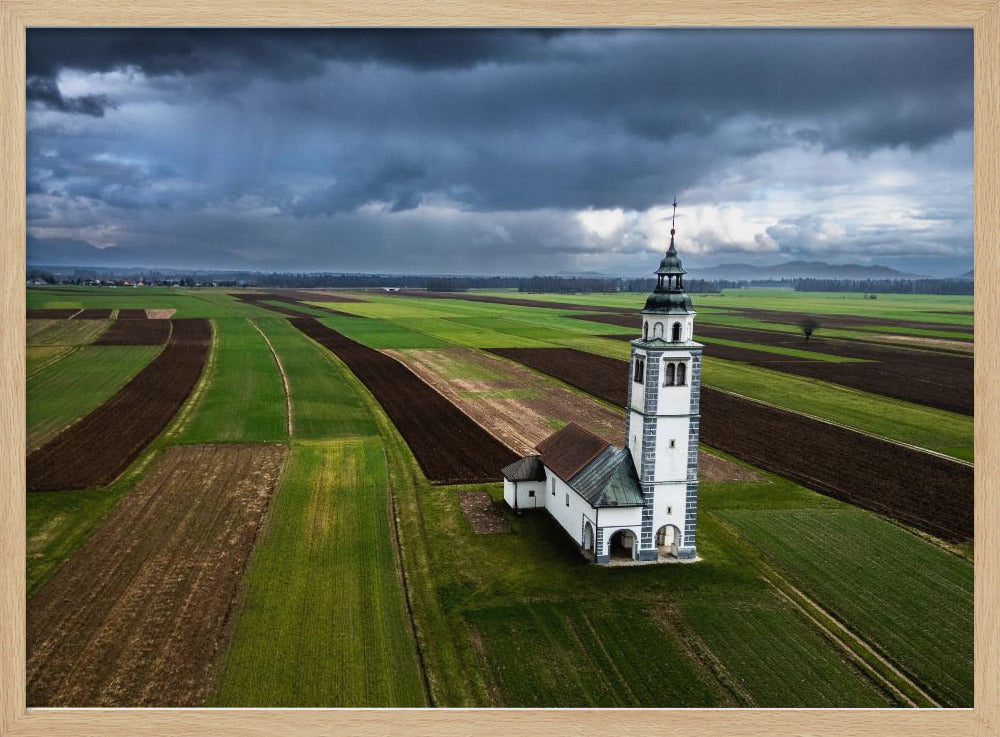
669 506
524 500
662 326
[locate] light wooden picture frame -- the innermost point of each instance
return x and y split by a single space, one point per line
983 16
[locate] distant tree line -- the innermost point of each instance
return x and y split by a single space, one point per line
583 285
887 286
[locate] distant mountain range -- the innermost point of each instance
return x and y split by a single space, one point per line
799 270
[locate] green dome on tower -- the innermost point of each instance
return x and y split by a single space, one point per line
668 296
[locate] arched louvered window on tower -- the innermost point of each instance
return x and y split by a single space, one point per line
668 375
681 374
677 333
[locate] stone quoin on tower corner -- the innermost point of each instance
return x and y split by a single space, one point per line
639 502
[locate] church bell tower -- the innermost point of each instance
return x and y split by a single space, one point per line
662 427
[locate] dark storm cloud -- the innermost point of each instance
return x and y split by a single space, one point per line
311 128
45 92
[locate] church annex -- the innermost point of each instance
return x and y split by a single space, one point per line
638 502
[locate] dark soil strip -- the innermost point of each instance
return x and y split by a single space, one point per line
633 320
448 445
132 315
138 615
919 489
261 299
925 491
849 322
94 313
136 332
50 314
932 378
95 450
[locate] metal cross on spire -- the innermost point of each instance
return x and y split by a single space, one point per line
673 222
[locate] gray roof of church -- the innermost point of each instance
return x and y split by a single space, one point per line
609 480
528 468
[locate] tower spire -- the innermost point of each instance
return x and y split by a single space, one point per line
673 222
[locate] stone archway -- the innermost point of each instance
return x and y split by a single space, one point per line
668 539
622 545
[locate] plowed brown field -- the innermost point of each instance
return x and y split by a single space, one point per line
54 314
260 299
516 405
932 378
132 315
137 616
926 491
448 445
95 450
136 332
520 408
94 313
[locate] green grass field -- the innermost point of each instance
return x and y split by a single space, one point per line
65 332
64 391
245 399
889 586
321 621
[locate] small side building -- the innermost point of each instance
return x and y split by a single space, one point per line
590 488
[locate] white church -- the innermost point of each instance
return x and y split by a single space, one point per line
636 503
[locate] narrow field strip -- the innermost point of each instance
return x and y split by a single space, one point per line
450 447
96 449
75 383
321 620
943 456
64 332
289 425
136 616
928 492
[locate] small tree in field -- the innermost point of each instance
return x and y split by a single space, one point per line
808 325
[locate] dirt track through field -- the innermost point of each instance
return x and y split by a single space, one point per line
449 446
95 450
926 491
136 617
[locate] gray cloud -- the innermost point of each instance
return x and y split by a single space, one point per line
326 134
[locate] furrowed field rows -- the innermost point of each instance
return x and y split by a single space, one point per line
922 490
322 621
449 446
64 332
930 378
891 587
64 391
96 449
136 332
584 654
136 616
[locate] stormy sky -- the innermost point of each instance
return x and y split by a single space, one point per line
499 151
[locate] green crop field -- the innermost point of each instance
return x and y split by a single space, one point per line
586 654
65 391
322 621
893 588
245 398
65 332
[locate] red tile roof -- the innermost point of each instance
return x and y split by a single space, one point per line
569 450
